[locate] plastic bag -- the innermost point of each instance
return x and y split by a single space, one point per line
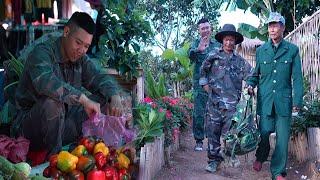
110 128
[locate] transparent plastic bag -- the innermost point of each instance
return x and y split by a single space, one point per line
110 128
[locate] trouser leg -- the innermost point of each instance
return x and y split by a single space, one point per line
266 127
43 125
280 154
218 122
200 100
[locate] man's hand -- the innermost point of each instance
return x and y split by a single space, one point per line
204 43
115 107
295 109
89 106
206 88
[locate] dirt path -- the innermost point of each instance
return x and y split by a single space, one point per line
188 164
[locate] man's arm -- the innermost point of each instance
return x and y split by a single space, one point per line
193 51
297 80
205 70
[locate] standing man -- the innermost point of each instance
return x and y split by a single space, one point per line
197 53
50 97
222 74
278 78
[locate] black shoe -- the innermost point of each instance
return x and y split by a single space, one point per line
212 167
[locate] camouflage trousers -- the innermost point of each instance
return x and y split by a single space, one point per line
218 122
50 124
200 100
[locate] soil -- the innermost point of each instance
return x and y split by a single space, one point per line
187 164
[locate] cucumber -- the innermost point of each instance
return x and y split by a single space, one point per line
6 167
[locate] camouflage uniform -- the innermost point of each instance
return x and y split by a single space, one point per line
224 74
47 97
199 95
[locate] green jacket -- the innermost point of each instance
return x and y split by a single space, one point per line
198 57
45 74
278 77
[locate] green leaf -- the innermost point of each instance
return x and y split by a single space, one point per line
168 54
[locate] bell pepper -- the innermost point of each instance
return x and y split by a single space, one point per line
101 160
129 153
123 160
96 175
66 161
55 173
88 142
75 175
53 160
85 163
80 150
111 173
123 174
101 147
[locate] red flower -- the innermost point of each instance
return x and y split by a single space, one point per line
168 114
147 100
154 105
161 110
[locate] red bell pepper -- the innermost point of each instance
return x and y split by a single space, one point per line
75 175
111 173
53 160
96 175
123 174
88 142
101 160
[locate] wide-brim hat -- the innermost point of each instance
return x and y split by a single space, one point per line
229 29
94 2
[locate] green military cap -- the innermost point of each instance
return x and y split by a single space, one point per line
276 17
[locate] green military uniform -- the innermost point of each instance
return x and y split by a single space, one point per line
199 95
49 112
278 77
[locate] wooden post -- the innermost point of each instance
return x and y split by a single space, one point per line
314 143
140 86
299 147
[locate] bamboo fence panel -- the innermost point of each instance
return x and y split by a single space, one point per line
306 37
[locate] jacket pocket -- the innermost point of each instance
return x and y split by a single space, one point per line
265 67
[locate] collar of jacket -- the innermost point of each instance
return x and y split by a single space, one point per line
234 53
282 48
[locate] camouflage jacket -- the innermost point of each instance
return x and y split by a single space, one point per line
45 74
224 74
198 57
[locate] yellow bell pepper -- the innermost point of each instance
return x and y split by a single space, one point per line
66 161
79 151
101 147
123 161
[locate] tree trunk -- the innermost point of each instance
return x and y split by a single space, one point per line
314 143
298 147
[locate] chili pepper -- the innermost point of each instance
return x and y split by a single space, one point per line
88 142
85 163
123 160
123 174
66 161
96 175
111 173
53 160
79 150
101 147
101 159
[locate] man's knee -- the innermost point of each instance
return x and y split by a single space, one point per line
51 107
